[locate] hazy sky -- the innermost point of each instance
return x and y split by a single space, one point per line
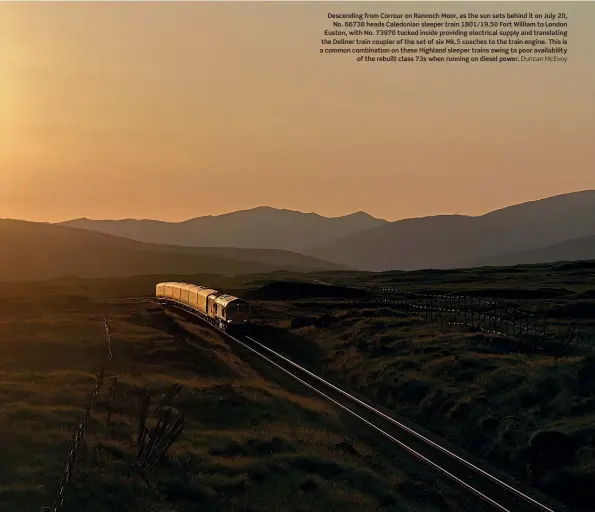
173 111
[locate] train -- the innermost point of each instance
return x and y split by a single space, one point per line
220 309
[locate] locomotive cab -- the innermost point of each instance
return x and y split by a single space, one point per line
231 312
238 312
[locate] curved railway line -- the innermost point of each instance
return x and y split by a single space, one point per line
492 492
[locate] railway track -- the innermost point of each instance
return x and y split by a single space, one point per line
492 492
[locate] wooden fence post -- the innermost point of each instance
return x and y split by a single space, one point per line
459 312
144 400
109 405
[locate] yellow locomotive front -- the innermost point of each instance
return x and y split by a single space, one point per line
238 312
231 312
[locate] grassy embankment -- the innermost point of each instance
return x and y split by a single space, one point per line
480 393
249 442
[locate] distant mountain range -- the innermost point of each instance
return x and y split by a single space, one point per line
265 239
36 251
259 228
450 241
539 231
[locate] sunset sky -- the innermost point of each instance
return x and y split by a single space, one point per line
172 111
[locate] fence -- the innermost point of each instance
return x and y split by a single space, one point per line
152 443
77 445
493 317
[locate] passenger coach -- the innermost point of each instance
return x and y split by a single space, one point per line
220 309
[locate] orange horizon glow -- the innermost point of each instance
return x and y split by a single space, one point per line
174 111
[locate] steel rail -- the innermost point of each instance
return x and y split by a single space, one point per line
375 427
445 451
409 430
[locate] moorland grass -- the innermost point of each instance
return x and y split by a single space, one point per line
477 392
249 443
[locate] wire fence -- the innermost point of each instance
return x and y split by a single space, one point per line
531 329
77 445
152 443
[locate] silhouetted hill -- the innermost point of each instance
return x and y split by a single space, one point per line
263 228
570 250
445 241
293 290
32 251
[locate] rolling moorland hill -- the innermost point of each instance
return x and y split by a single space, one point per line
583 248
36 251
257 228
253 439
454 241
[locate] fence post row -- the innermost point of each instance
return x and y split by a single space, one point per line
488 316
79 432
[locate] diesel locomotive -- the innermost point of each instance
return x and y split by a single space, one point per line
224 311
